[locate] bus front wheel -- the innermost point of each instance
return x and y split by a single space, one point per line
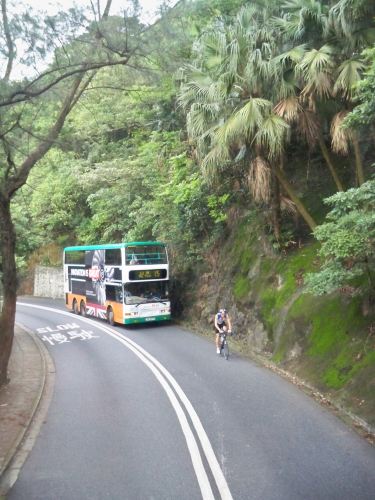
75 307
110 316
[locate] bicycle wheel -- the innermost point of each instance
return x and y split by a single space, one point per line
226 350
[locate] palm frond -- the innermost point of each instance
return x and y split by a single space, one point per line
349 74
347 17
293 56
308 126
288 108
202 90
215 161
340 136
316 61
290 27
284 88
271 135
212 44
234 56
259 179
246 120
301 17
246 15
321 85
200 118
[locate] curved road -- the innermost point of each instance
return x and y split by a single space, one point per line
153 413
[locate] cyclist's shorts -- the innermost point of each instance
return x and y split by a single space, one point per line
220 326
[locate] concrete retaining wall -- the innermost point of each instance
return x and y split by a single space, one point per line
49 282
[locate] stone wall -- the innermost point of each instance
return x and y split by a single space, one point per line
49 282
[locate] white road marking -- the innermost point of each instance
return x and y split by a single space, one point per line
163 376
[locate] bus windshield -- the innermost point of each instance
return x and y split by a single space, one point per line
147 291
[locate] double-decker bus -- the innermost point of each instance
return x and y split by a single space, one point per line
121 282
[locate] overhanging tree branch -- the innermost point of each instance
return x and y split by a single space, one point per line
17 181
25 95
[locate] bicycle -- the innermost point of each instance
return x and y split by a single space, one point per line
224 348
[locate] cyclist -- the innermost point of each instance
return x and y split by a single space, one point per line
222 323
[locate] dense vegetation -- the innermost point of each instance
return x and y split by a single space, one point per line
264 91
246 127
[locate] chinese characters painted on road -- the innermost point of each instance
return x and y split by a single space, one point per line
62 334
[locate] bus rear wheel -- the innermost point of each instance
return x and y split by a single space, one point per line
110 316
75 307
82 308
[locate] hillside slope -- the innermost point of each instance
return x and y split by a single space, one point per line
325 344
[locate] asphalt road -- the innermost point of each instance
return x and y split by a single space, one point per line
153 413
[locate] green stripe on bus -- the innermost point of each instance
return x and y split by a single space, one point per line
111 246
150 319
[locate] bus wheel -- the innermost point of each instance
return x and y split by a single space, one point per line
82 308
75 307
110 316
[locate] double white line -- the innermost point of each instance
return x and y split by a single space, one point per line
172 389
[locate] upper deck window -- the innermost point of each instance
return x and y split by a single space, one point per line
113 257
145 254
76 257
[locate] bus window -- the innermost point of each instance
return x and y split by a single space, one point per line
113 293
113 257
146 254
76 257
147 291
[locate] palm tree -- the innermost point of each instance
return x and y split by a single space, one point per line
307 67
229 118
330 67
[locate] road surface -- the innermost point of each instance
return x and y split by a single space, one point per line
151 412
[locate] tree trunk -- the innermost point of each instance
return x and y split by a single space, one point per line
330 164
275 205
9 42
300 206
358 161
9 286
8 235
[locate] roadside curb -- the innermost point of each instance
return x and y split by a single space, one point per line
29 369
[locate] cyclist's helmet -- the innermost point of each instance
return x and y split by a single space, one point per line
222 310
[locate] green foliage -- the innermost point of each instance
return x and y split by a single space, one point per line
364 112
347 243
216 205
54 204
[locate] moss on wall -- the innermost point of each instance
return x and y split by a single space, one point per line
325 340
283 278
336 347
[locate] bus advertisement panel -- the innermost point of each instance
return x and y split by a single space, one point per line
124 283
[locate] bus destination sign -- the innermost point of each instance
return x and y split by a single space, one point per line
147 274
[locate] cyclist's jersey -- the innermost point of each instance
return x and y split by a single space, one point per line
221 319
